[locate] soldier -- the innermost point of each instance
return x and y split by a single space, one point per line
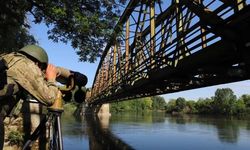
25 71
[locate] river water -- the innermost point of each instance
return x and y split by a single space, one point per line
156 131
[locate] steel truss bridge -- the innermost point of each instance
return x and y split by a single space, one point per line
163 46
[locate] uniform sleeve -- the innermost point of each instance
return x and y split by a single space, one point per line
30 77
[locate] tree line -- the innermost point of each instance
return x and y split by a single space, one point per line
223 102
140 104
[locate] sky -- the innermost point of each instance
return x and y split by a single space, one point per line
63 55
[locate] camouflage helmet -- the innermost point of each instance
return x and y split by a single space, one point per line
36 52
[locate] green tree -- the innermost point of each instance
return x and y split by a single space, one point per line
180 104
117 106
139 104
86 24
246 99
13 27
190 107
240 107
142 104
204 106
224 101
159 103
171 106
148 103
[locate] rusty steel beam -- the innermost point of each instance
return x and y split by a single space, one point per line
208 18
129 9
127 46
152 30
186 46
114 63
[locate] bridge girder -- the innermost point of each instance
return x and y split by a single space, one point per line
162 48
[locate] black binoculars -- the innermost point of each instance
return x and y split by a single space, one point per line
74 83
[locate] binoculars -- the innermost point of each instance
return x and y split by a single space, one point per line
73 85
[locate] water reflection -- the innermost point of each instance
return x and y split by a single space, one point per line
228 128
139 117
73 126
146 130
100 137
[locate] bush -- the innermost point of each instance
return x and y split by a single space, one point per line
15 138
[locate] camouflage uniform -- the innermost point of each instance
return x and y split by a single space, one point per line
23 73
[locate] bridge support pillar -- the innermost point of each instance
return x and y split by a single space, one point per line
100 110
104 115
104 110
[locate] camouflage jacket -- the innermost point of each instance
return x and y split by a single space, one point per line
27 74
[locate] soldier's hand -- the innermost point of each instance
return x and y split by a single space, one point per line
51 72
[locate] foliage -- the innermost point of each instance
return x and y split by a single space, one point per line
86 24
180 104
158 103
147 103
140 104
13 27
171 106
240 107
246 99
224 101
15 138
204 106
190 107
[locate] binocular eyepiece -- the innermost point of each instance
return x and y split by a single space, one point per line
78 95
63 76
74 85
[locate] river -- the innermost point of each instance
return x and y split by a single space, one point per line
156 131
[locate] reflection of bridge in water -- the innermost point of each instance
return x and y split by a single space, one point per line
162 47
145 130
100 137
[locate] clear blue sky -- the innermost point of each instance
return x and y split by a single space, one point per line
61 54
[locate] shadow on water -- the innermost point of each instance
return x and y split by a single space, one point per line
100 137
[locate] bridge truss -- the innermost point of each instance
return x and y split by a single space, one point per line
168 46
